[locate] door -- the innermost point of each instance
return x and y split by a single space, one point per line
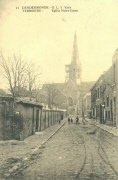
101 113
37 120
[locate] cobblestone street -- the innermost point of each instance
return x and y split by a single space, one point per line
74 152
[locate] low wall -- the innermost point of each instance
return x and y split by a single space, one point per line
50 117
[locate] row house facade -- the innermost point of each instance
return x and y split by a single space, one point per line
104 95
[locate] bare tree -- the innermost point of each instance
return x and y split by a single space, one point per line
51 94
22 77
33 78
36 91
14 70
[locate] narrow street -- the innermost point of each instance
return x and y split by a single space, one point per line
74 152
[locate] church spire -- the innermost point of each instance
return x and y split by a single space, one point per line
75 56
76 65
73 70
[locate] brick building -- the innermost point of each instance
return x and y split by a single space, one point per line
104 95
84 90
20 117
6 114
27 118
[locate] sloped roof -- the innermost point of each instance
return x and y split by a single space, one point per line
42 92
85 87
26 101
59 86
62 87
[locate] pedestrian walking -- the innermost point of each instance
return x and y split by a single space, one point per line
59 121
77 120
71 121
68 120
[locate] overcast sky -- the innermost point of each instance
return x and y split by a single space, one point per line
47 37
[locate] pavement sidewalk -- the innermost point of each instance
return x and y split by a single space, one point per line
107 128
13 149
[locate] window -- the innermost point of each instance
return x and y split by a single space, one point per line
98 93
107 99
111 106
95 95
93 112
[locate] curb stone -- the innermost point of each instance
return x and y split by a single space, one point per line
104 129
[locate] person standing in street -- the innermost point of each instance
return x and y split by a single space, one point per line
71 121
68 120
77 120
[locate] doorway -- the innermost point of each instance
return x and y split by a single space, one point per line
37 120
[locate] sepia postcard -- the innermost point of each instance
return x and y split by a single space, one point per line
58 89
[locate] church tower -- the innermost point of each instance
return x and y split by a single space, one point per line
73 80
73 70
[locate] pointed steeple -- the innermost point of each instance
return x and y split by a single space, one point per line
75 69
75 56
